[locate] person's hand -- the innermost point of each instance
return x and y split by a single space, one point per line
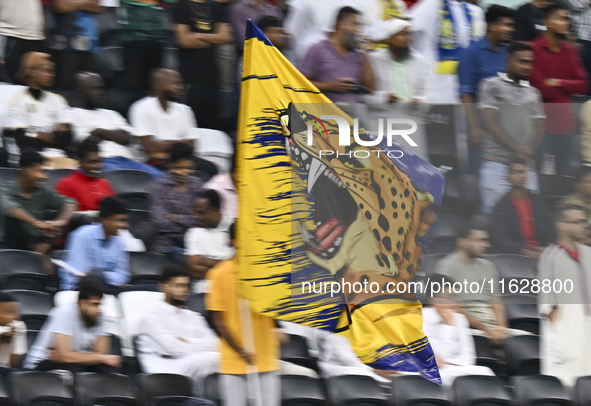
281 336
53 353
552 82
9 333
496 334
46 228
475 136
415 103
248 357
532 254
385 373
440 362
342 85
523 152
112 360
392 98
223 29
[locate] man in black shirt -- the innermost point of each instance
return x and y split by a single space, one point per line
200 25
529 20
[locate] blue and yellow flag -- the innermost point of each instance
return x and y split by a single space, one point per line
315 215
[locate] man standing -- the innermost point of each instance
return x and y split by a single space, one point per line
36 118
529 20
581 13
566 322
253 9
98 247
336 66
481 60
107 127
514 123
209 244
521 223
74 338
558 73
404 80
174 340
444 29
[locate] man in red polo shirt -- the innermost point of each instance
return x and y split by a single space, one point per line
558 73
85 186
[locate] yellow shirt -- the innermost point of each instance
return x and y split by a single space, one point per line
223 297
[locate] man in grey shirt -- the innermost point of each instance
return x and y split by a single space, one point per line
73 337
514 121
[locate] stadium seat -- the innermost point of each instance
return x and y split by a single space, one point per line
129 181
55 175
31 337
164 389
480 390
512 266
430 263
582 391
34 388
4 397
103 389
540 390
211 389
414 390
215 146
22 270
34 307
109 306
523 355
296 352
135 306
140 225
297 390
146 267
485 355
471 193
8 175
355 390
522 312
554 187
197 304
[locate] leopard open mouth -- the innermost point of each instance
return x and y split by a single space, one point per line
335 208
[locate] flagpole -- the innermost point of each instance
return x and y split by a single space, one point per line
253 382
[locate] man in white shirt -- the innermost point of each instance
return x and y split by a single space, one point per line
443 29
21 31
36 118
403 81
160 122
107 127
13 333
208 245
175 340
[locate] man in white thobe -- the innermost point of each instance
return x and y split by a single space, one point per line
403 81
564 303
172 339
443 29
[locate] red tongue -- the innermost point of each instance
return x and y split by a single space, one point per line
328 232
325 228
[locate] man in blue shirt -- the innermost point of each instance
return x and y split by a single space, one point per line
98 247
481 60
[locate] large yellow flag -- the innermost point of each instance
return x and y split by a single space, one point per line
330 219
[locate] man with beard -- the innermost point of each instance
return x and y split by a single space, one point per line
336 66
74 338
107 127
521 223
175 340
159 121
404 80
514 119
558 74
483 59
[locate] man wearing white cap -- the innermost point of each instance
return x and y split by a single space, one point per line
403 80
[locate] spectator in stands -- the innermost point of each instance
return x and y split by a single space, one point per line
513 119
36 118
522 224
107 127
529 20
581 15
74 337
272 27
223 183
200 26
75 38
26 204
209 244
404 80
143 33
21 25
160 122
172 200
175 340
86 185
13 334
226 308
566 324
483 59
558 73
449 333
582 195
255 10
98 248
337 66
461 24
484 310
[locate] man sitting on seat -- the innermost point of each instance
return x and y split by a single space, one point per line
172 339
73 337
